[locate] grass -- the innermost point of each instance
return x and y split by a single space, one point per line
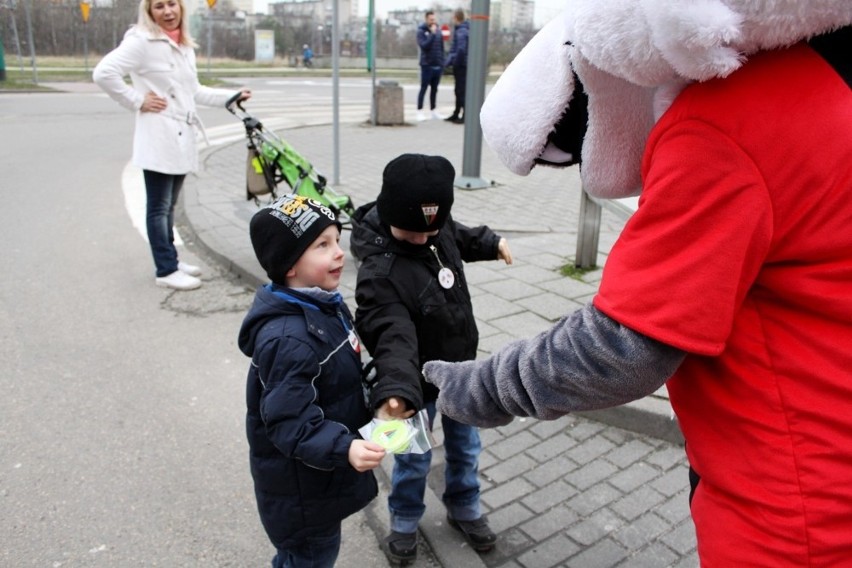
61 69
575 272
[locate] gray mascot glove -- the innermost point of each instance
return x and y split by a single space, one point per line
464 396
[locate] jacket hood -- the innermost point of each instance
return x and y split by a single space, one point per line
273 301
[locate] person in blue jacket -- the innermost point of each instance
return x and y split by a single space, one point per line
457 59
305 399
431 45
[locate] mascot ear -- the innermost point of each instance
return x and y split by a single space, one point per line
565 143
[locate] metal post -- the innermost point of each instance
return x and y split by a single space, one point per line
588 233
477 70
30 40
371 59
209 37
86 45
335 74
15 35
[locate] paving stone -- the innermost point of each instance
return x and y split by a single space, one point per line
595 527
590 474
592 499
589 449
505 470
548 497
523 323
492 343
531 274
508 289
672 482
544 429
682 538
633 476
640 531
636 503
490 308
541 526
548 553
548 305
512 515
629 452
549 471
603 554
506 493
546 450
653 556
676 508
512 445
667 457
510 545
584 429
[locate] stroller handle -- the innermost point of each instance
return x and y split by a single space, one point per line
229 104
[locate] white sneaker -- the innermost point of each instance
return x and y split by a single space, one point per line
436 116
178 280
421 116
190 269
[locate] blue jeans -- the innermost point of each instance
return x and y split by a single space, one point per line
429 77
461 496
162 194
317 552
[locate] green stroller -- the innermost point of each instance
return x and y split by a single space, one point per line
272 160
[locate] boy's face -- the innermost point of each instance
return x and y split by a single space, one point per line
411 237
321 264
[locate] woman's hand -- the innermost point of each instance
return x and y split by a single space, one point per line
153 103
245 94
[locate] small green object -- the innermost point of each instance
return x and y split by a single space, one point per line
392 436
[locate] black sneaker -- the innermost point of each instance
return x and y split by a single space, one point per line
458 120
400 548
452 118
477 533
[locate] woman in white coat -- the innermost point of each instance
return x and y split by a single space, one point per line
158 54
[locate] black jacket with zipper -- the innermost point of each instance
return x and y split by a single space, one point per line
404 316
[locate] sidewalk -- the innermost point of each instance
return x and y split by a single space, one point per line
605 488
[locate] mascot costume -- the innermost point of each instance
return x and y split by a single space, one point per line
732 282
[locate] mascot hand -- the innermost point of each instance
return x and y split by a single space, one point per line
464 397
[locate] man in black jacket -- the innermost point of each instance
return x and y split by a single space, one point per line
414 306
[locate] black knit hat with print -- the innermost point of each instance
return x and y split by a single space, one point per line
283 230
417 192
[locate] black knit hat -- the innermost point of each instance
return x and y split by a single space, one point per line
281 231
417 192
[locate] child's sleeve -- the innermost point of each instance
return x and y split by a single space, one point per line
477 243
387 330
294 422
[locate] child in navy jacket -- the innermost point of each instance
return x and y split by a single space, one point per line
304 397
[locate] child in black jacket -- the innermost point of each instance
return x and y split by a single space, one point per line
414 306
304 394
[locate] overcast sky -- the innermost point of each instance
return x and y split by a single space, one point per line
545 10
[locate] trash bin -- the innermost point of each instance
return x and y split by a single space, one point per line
389 108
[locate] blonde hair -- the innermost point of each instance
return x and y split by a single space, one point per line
146 22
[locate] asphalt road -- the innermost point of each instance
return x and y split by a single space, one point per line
121 415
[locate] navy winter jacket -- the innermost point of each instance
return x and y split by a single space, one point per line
458 49
305 403
431 46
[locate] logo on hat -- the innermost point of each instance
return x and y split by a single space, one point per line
430 211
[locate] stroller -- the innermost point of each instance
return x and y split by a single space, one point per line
272 160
